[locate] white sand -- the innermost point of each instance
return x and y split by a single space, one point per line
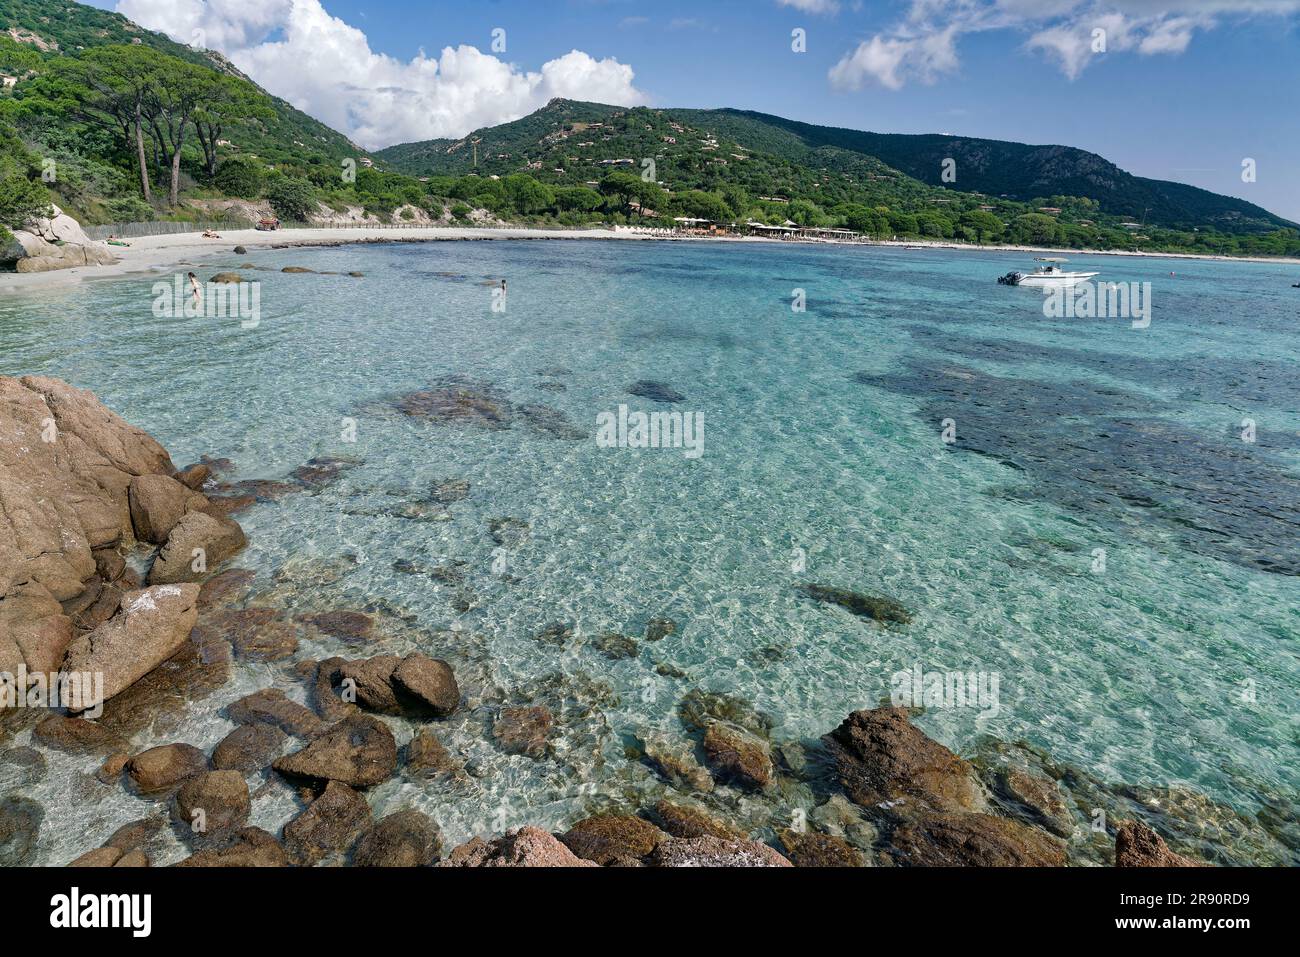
166 252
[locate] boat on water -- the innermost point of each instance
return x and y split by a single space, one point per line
1049 274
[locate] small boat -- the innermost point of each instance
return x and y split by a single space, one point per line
1050 274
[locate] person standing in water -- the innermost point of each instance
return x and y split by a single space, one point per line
198 293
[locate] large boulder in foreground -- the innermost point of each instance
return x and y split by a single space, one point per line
884 761
151 626
58 242
522 847
1136 845
66 464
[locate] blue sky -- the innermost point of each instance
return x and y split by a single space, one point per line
1186 89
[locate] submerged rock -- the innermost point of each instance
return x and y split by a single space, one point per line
658 391
521 847
21 768
686 821
676 763
329 826
549 420
447 491
1136 845
810 849
249 748
165 767
459 403
226 588
321 471
136 834
251 847
359 751
99 857
737 756
657 629
615 646
270 706
510 532
523 730
427 757
699 708
20 826
345 624
867 606
212 803
406 838
256 634
557 633
76 735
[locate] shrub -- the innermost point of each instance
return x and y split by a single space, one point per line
129 209
242 177
22 201
292 198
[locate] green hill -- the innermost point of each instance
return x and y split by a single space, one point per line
999 168
60 53
1039 194
72 28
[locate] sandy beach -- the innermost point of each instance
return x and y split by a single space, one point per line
149 253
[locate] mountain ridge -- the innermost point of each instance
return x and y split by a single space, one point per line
983 166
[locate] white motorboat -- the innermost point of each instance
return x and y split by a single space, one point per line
1049 274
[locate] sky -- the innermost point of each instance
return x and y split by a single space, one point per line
1187 90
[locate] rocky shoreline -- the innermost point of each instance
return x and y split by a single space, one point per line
114 562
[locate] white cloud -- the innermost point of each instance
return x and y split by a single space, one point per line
325 67
812 6
923 44
892 61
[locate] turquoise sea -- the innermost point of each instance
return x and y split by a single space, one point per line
1174 661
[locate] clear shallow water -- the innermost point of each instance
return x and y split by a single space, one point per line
822 433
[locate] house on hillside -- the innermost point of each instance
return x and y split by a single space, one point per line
8 82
